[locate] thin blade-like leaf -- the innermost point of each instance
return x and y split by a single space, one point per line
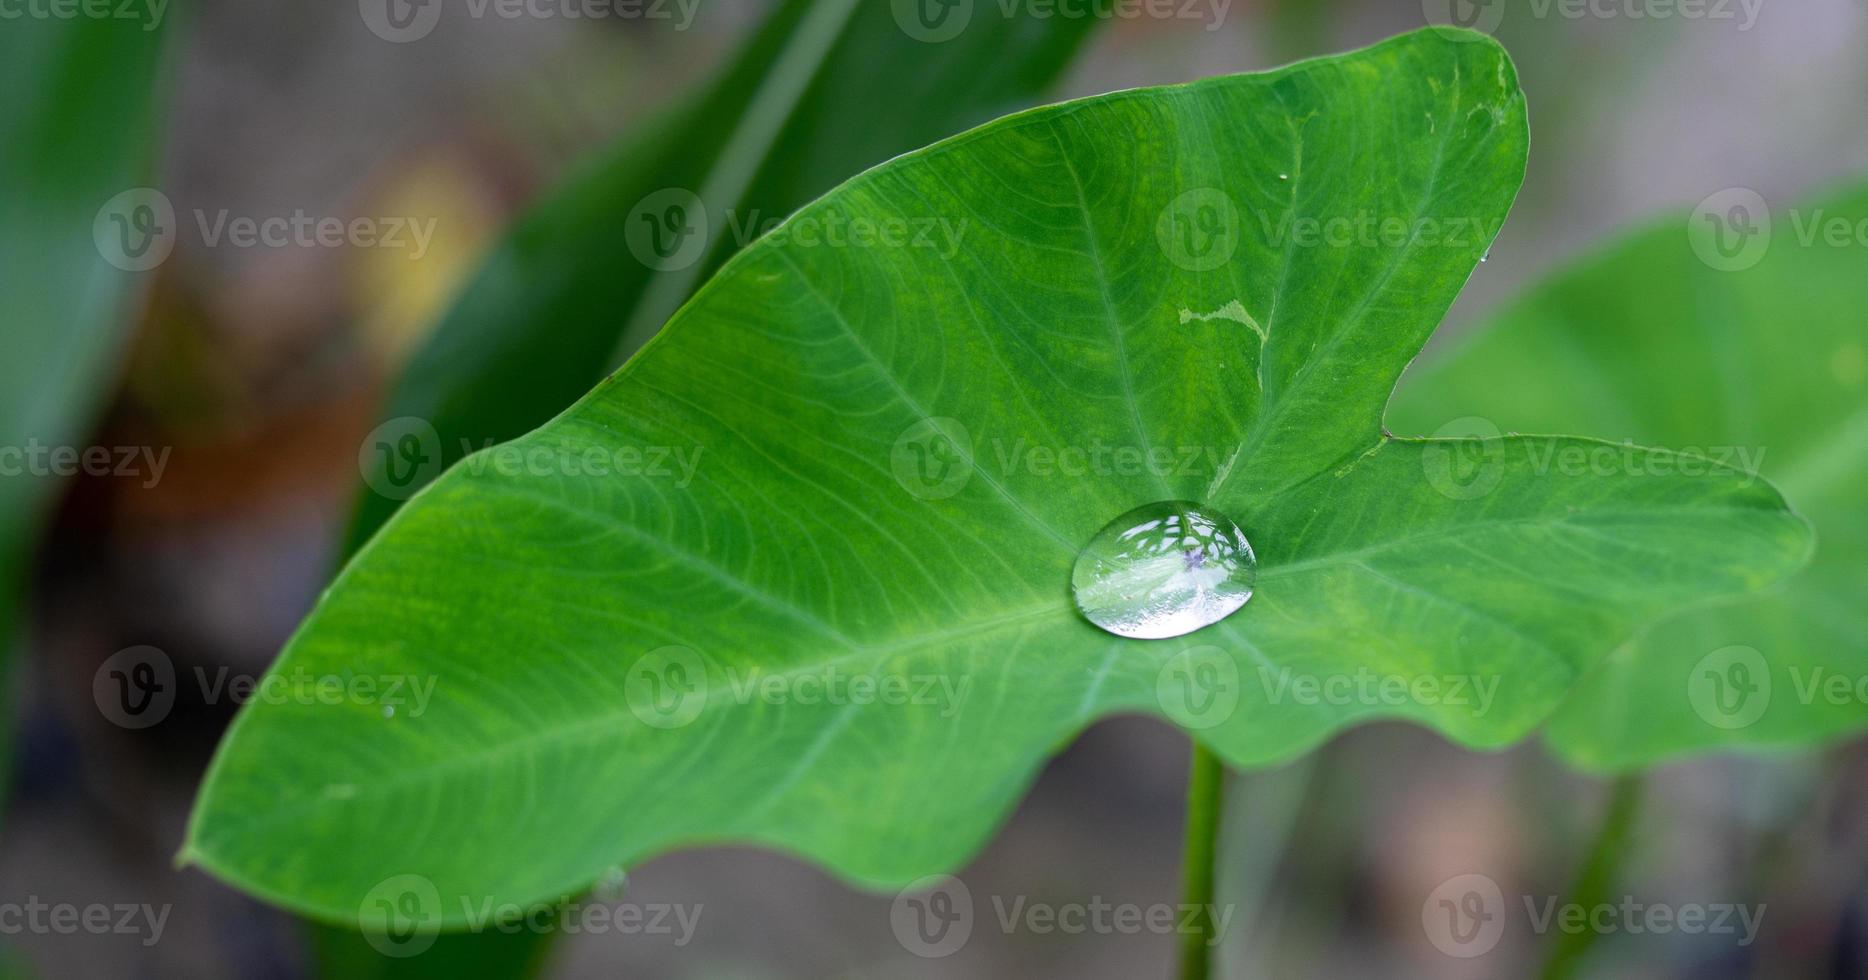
824 89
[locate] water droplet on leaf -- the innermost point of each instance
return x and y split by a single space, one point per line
1164 569
613 885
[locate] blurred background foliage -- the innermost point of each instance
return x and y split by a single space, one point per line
264 368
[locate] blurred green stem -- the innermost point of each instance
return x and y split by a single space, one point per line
1206 789
1599 874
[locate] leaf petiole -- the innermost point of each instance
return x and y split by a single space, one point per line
1206 789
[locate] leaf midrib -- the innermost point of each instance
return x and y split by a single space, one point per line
1270 414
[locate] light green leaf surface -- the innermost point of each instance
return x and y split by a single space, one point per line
76 130
822 90
606 648
1756 355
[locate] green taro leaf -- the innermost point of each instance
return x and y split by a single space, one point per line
824 89
636 617
1735 335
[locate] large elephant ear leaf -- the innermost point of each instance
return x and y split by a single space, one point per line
800 573
1732 333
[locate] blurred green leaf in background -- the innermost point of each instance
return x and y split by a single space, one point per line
1734 332
78 144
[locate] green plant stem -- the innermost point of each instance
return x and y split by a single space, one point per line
1206 789
1599 873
